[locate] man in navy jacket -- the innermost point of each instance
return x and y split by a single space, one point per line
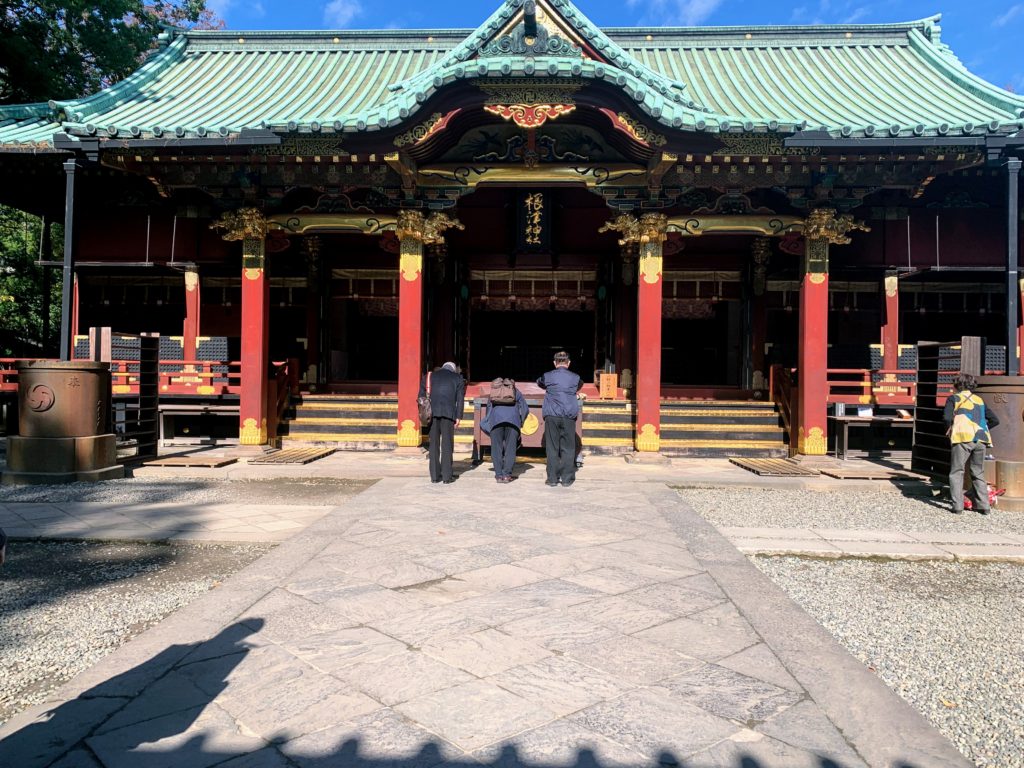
503 423
561 409
447 396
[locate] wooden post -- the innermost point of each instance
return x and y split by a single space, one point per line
190 330
761 250
891 325
249 226
74 314
649 232
314 307
414 232
821 230
1020 323
625 317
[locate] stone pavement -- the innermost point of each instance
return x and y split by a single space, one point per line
605 624
244 523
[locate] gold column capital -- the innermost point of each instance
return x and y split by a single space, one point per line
824 224
649 228
626 225
243 224
429 230
191 278
653 228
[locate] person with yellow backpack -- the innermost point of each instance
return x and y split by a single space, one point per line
968 422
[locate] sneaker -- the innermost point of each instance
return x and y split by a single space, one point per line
984 511
567 483
551 484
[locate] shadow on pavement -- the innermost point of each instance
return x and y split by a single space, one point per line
164 713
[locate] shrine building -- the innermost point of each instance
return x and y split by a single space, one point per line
738 226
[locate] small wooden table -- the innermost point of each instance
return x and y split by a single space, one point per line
843 424
532 434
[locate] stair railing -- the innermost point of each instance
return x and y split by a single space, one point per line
784 393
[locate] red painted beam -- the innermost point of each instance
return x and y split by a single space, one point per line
648 350
190 328
410 341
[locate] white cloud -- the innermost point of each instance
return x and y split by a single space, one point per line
857 15
220 7
1013 12
338 13
687 13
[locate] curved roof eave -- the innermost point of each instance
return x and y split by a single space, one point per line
409 98
88 106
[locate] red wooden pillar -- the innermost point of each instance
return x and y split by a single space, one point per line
812 355
190 330
414 232
651 236
891 325
249 226
821 229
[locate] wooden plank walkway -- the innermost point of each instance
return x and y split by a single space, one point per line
292 456
871 473
774 467
199 460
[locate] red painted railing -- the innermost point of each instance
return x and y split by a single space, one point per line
177 377
865 386
785 394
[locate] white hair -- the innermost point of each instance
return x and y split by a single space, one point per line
450 367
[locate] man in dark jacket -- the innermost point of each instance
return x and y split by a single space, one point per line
968 421
561 409
503 423
447 396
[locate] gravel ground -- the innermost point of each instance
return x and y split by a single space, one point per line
305 491
948 638
65 605
857 510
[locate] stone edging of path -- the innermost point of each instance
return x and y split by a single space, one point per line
919 546
807 650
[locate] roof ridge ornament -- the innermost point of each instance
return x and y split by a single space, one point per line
531 38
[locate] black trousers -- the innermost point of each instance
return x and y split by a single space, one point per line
442 445
504 439
560 447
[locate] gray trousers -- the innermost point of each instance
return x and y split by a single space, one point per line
972 456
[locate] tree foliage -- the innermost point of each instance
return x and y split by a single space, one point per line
64 49
23 306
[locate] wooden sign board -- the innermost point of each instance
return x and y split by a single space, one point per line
609 384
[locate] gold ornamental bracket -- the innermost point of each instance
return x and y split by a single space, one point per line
824 224
740 224
429 230
243 224
414 231
649 232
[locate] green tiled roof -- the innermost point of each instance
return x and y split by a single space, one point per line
851 80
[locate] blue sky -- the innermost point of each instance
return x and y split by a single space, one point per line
987 35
